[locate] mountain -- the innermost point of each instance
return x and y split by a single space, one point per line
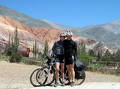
113 26
4 11
28 35
29 21
7 28
108 33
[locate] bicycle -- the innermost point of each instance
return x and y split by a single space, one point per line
45 76
41 76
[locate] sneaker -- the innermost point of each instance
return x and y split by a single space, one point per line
56 84
63 84
72 84
69 83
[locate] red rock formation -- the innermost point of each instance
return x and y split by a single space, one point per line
28 35
88 41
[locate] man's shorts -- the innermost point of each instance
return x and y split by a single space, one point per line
69 60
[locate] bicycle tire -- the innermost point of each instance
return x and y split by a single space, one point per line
34 83
77 81
82 79
49 76
41 76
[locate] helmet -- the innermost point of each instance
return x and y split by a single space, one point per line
62 34
69 33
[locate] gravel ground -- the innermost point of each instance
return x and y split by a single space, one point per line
16 76
88 85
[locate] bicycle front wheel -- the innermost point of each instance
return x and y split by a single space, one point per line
33 80
48 76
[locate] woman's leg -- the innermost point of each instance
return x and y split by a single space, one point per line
57 65
62 70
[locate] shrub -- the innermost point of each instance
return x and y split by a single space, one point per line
15 57
86 59
12 48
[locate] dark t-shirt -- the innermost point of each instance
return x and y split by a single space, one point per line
70 48
58 48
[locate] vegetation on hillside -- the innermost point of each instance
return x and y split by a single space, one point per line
12 48
82 55
35 50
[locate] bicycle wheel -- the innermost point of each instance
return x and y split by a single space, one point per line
79 80
49 76
41 76
33 80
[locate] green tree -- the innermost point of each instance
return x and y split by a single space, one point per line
99 56
46 48
91 53
8 49
12 48
16 40
117 55
107 55
78 52
35 49
83 48
82 54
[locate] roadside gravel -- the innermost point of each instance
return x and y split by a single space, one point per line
16 76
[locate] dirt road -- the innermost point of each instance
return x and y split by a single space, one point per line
16 76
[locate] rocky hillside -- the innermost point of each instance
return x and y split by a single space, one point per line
7 27
28 35
108 33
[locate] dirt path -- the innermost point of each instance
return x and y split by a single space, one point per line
16 76
88 85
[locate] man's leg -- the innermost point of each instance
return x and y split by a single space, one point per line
72 72
69 72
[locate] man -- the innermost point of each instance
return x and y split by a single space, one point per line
58 50
70 52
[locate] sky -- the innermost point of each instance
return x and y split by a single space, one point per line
76 13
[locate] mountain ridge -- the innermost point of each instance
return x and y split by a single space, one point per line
29 21
108 33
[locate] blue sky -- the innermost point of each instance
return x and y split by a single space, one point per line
76 13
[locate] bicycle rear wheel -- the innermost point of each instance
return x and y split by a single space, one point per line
79 80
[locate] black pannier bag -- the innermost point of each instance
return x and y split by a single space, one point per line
79 67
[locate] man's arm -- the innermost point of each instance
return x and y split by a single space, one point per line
75 47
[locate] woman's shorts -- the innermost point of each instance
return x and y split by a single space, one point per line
59 59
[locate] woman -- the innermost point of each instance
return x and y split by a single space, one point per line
58 51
